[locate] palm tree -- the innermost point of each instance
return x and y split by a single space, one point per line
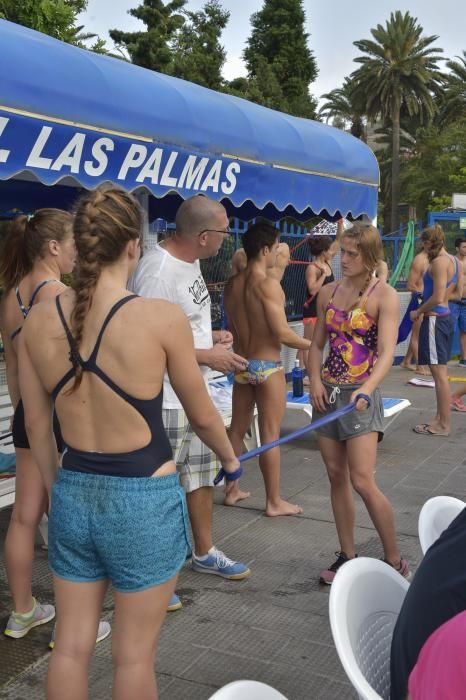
454 98
398 70
342 106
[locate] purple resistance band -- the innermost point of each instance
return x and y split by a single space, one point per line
232 476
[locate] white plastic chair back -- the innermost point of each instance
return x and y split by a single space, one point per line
365 600
436 515
247 690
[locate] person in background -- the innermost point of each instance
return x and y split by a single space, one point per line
318 273
359 317
415 285
458 306
442 281
118 512
381 271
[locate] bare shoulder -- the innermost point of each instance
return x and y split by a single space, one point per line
327 291
270 287
386 294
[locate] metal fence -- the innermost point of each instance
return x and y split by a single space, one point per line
216 270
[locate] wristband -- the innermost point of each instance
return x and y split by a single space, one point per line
366 398
229 476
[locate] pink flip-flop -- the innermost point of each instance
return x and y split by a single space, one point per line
458 405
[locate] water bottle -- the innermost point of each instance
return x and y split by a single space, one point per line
297 377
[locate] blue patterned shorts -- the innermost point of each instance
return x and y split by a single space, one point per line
132 531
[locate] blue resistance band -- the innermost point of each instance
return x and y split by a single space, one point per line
232 476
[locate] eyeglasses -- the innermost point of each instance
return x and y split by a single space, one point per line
225 232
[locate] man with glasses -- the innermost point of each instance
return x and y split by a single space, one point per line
172 271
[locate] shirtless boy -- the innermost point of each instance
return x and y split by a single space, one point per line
254 303
458 306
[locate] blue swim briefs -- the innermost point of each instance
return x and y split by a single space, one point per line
133 531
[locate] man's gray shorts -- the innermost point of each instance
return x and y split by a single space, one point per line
352 424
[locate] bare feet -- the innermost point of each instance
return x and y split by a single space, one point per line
282 508
235 495
405 365
423 371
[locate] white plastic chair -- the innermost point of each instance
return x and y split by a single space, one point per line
247 690
436 515
365 599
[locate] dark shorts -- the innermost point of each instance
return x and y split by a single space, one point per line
133 531
458 314
20 438
435 340
353 424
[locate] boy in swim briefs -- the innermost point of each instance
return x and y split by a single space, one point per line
254 304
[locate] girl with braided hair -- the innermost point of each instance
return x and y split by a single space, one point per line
37 250
118 513
359 317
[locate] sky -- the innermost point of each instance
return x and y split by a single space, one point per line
333 25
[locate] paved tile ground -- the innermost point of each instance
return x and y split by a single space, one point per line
274 626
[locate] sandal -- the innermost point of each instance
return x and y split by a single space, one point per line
425 429
458 405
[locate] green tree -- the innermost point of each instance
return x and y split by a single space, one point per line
278 37
342 105
436 167
57 18
198 55
152 48
454 97
398 70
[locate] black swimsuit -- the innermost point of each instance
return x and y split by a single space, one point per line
142 462
310 305
18 429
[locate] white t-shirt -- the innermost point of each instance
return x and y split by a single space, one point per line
161 276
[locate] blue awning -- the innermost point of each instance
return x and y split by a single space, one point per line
74 117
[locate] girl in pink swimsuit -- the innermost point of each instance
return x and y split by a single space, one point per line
359 318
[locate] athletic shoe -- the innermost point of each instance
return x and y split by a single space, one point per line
174 604
327 575
217 563
403 569
19 624
102 633
458 405
462 363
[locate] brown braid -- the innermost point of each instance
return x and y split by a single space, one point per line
105 221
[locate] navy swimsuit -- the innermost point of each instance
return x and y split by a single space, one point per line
142 462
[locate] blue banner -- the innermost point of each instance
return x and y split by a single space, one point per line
53 151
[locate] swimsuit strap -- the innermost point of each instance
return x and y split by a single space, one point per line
24 310
71 341
109 316
367 295
37 290
333 294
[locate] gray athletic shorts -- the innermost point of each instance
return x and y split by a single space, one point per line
355 423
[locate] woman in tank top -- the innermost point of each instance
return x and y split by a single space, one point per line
359 318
